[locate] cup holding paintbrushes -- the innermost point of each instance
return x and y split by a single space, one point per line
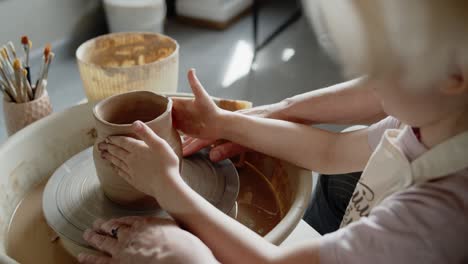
23 102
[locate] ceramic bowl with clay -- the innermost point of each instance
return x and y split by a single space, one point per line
121 62
62 135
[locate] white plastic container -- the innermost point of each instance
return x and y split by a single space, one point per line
136 15
219 11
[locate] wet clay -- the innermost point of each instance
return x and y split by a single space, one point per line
30 239
258 205
114 116
140 109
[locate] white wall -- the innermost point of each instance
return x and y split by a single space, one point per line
42 20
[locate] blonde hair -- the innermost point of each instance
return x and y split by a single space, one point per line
420 40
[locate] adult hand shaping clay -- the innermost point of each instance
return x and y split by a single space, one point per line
144 240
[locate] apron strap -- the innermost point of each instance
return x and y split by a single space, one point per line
444 159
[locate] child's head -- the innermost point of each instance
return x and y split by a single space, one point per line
416 52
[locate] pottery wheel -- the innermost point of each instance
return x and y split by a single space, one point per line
73 199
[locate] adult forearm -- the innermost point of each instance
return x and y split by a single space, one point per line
350 103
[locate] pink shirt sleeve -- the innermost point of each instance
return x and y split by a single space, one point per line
377 130
424 224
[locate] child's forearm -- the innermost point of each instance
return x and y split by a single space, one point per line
301 145
351 103
229 241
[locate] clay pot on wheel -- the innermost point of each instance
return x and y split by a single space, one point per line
114 116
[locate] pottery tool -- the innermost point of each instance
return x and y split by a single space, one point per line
27 44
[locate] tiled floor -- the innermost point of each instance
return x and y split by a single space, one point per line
292 64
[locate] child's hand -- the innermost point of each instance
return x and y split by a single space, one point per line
199 117
138 161
226 150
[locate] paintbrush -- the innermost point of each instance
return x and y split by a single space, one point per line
4 68
43 83
49 61
27 44
9 84
12 49
6 55
41 72
7 94
7 63
19 82
27 85
40 84
9 87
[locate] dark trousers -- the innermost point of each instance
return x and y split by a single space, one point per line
329 201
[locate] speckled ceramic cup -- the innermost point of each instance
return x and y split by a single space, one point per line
18 116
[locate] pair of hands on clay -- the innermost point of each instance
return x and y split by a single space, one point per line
144 240
152 240
136 159
194 142
199 118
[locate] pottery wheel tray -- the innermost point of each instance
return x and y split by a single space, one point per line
73 199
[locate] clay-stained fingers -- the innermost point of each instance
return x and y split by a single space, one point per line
161 221
104 243
180 103
112 224
114 150
126 176
123 234
97 226
93 259
186 140
115 228
127 220
148 136
225 151
127 143
195 145
120 164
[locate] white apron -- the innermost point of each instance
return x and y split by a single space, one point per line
389 171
